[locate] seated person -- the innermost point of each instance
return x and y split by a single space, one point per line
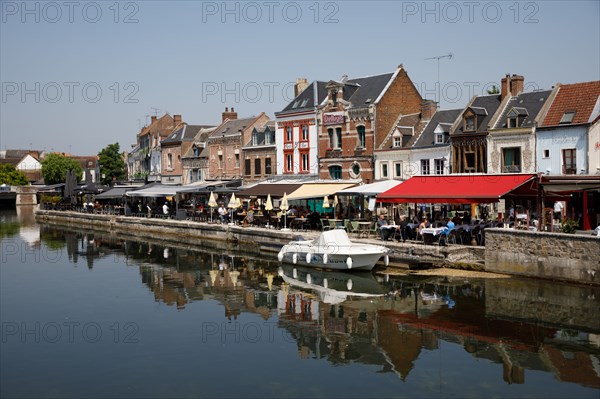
223 214
402 228
386 233
249 219
424 224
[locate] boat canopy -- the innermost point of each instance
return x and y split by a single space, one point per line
332 238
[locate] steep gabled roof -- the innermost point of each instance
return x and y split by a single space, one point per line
489 104
233 127
410 128
369 89
306 99
184 133
583 98
445 118
527 105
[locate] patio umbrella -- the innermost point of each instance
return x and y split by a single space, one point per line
284 206
212 203
233 204
325 202
269 203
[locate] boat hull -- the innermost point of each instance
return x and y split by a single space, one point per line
364 260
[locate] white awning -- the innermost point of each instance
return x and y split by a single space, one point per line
370 189
317 190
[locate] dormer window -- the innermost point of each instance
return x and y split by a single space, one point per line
334 97
515 117
469 123
254 139
439 138
567 117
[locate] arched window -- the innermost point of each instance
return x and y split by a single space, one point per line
362 140
335 172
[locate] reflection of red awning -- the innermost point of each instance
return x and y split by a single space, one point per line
462 189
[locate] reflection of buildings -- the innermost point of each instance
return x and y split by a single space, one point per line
513 327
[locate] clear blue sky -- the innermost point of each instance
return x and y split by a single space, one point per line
194 58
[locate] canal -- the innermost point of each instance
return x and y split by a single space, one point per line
91 314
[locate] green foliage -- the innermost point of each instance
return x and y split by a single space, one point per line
50 199
569 225
493 90
11 176
111 164
55 167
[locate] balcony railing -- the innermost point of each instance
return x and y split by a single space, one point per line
511 169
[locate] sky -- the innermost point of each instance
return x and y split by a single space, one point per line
77 76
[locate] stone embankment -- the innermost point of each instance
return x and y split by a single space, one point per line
255 240
554 256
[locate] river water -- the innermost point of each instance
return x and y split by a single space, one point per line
90 314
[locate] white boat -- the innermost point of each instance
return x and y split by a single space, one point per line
333 250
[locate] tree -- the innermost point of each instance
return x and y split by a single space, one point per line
112 165
493 90
55 167
11 176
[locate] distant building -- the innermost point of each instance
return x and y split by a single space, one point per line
225 144
173 148
260 153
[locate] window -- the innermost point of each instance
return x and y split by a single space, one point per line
384 170
289 163
569 161
268 138
169 161
361 137
257 168
288 133
247 170
398 169
512 119
237 160
511 160
268 166
469 124
355 170
439 138
338 136
334 97
196 151
331 138
304 132
567 117
546 153
470 161
335 172
397 142
305 163
254 139
439 166
424 166
221 162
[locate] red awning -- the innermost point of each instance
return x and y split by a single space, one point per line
462 189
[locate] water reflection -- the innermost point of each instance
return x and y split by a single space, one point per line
393 323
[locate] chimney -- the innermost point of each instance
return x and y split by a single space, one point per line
505 87
229 115
517 84
428 109
301 84
344 78
177 119
152 119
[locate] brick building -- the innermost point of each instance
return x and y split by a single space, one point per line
356 117
225 144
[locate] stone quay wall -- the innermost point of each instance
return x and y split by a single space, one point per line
557 256
254 240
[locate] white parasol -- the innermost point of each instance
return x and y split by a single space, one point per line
212 203
284 206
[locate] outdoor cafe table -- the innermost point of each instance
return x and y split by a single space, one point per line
388 234
364 228
429 233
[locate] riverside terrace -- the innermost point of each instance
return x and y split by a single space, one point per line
555 256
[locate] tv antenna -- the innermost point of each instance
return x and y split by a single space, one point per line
438 58
156 111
